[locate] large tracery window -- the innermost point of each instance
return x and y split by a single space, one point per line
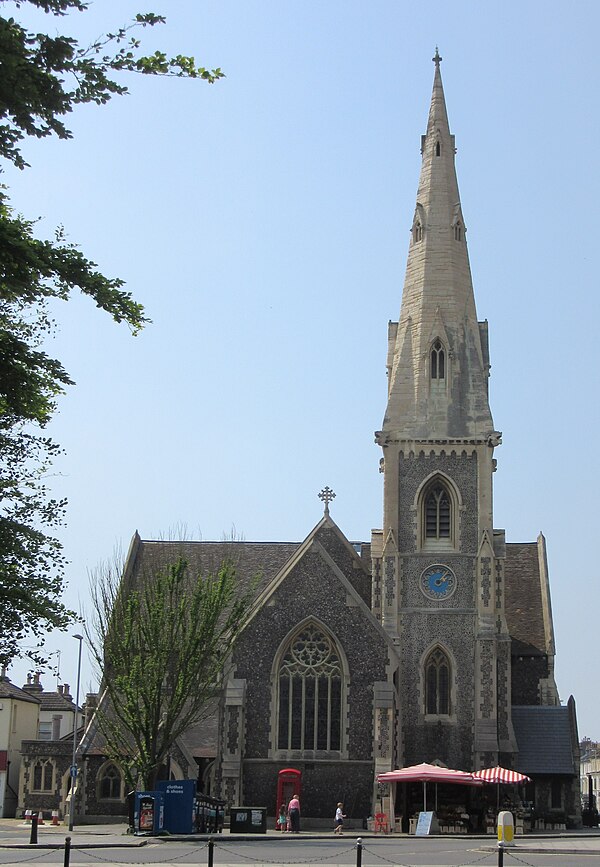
437 683
310 693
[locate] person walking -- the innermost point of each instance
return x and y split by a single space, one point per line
339 820
294 814
282 821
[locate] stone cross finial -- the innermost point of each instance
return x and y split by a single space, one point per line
327 495
437 59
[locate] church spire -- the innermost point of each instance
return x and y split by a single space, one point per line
437 362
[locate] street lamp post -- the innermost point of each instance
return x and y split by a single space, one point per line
74 763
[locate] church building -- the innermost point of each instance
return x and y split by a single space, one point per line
431 642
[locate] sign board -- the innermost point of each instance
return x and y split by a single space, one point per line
427 824
179 805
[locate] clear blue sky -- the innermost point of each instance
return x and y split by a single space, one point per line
264 223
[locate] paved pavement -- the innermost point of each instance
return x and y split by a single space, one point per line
14 833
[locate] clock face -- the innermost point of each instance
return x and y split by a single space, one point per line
438 582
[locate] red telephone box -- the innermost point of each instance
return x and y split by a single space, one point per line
289 783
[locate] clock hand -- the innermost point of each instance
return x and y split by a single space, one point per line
442 578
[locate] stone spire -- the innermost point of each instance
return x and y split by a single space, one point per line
438 353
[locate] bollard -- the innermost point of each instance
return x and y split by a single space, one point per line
28 817
506 828
67 851
33 835
500 855
211 851
359 848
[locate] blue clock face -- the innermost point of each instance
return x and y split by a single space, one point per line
438 582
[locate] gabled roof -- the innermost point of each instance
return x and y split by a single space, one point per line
55 701
250 558
544 738
9 690
523 599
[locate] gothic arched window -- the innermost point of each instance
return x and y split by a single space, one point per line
109 783
438 361
438 512
457 231
437 683
418 231
438 149
43 776
310 692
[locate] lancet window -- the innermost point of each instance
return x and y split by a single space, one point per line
110 782
310 692
417 231
438 361
43 776
437 683
457 231
438 508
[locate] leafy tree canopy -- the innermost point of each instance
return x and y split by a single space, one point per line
42 79
161 641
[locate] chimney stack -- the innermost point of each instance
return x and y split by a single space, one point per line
91 703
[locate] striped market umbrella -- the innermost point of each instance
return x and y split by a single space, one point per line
429 774
501 776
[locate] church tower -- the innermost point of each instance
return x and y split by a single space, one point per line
438 577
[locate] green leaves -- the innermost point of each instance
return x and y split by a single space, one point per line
162 646
43 78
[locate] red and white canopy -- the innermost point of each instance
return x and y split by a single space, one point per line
501 775
429 774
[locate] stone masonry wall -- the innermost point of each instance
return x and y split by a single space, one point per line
311 588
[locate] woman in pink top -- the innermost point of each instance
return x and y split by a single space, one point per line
294 814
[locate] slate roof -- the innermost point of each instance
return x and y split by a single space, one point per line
55 701
544 739
523 599
250 558
201 740
9 690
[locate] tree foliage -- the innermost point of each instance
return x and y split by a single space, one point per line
43 78
161 647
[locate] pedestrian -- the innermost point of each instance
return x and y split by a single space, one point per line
339 820
294 814
282 821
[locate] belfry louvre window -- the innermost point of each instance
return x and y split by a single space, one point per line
437 683
437 513
438 361
310 693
